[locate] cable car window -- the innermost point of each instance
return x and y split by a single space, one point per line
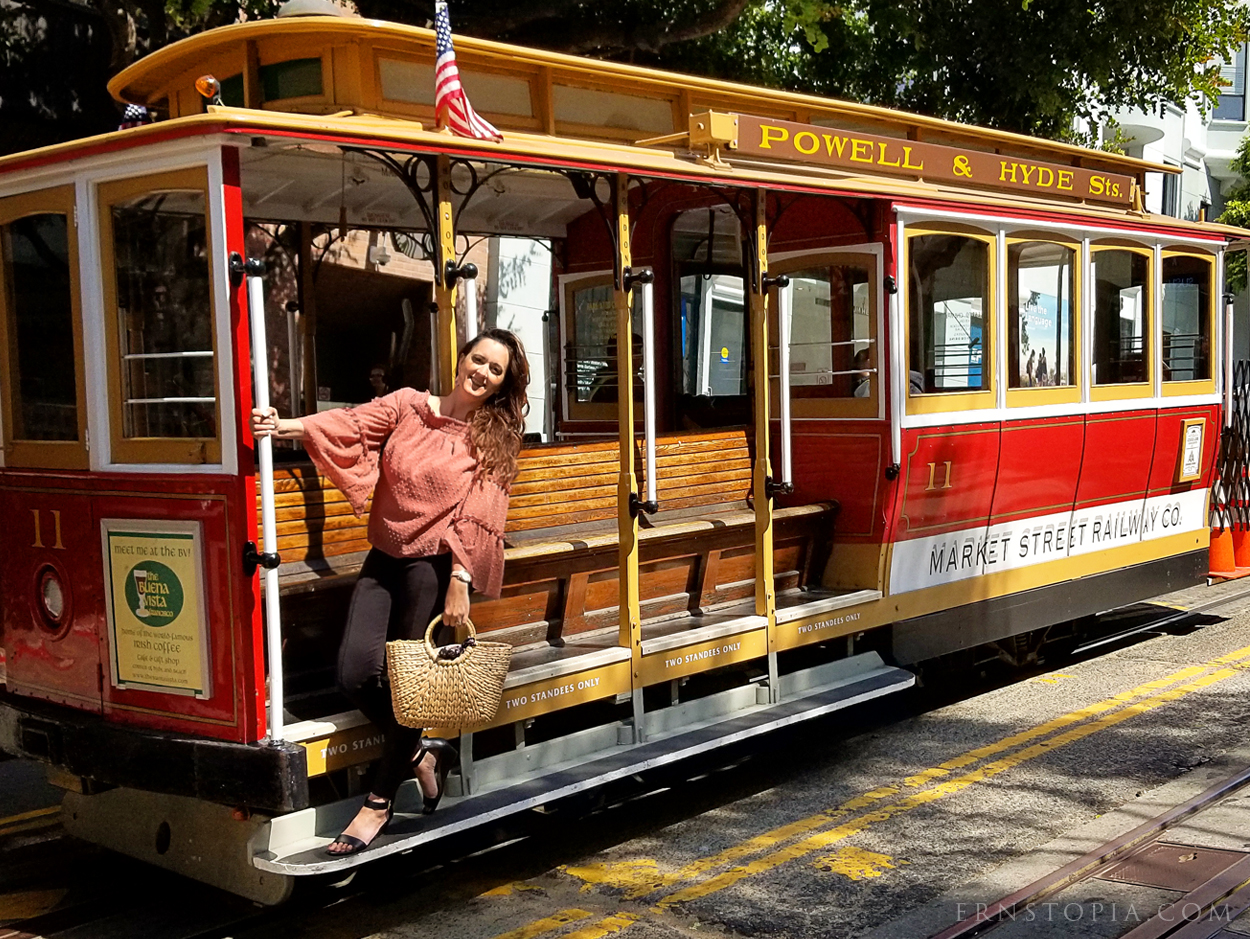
39 308
713 335
1186 318
831 350
1040 314
592 349
1121 317
948 300
164 315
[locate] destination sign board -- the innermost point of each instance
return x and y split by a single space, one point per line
827 146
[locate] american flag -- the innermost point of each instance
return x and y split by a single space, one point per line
450 101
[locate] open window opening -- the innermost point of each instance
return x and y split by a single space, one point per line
1188 318
950 315
712 326
1121 354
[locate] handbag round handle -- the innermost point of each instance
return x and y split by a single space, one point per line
429 635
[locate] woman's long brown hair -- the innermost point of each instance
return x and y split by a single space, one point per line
496 427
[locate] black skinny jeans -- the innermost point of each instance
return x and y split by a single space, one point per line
395 598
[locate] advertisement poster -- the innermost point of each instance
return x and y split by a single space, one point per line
1191 450
1045 340
154 579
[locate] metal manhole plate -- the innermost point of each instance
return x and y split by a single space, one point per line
1172 866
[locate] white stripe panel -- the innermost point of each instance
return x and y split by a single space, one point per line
975 552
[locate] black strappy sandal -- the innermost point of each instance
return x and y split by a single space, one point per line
355 843
445 760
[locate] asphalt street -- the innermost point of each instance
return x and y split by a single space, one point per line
842 827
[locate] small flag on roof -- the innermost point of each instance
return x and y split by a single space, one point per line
135 115
451 104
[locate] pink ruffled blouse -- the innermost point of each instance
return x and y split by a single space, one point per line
425 499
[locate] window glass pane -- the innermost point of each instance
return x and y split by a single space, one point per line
165 318
1041 284
1121 317
591 354
41 327
232 91
295 79
831 354
713 335
1232 102
948 299
1186 319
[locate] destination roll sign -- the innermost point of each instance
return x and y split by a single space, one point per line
827 146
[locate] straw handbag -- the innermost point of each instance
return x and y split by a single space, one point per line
448 686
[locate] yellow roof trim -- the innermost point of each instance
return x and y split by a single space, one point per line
141 81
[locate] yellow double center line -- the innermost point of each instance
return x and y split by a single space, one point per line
640 879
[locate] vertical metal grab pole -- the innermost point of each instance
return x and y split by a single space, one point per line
1228 360
469 286
648 386
268 521
785 312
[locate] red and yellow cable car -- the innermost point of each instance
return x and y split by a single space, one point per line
821 391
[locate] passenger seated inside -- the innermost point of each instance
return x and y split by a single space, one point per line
863 379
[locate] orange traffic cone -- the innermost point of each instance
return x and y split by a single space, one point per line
1223 558
1241 546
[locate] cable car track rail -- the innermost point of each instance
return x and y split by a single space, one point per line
1088 866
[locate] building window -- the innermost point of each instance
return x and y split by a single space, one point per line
1232 103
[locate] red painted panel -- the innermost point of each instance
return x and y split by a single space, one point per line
842 461
1168 447
1119 448
931 504
48 531
70 669
1038 466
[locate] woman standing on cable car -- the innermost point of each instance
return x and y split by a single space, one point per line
439 471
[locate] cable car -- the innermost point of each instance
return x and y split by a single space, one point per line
821 391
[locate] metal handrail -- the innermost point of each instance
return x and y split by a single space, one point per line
268 514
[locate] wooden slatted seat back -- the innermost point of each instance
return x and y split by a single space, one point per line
560 487
574 484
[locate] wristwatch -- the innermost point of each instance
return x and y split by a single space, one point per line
464 577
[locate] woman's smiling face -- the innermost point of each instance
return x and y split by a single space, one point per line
482 370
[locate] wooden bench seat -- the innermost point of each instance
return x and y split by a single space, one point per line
560 573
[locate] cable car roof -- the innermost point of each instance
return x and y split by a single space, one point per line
524 89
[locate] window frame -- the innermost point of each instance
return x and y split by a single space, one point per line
1199 386
1126 390
1069 394
575 410
944 401
868 408
187 451
46 454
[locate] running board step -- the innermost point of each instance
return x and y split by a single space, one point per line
294 844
